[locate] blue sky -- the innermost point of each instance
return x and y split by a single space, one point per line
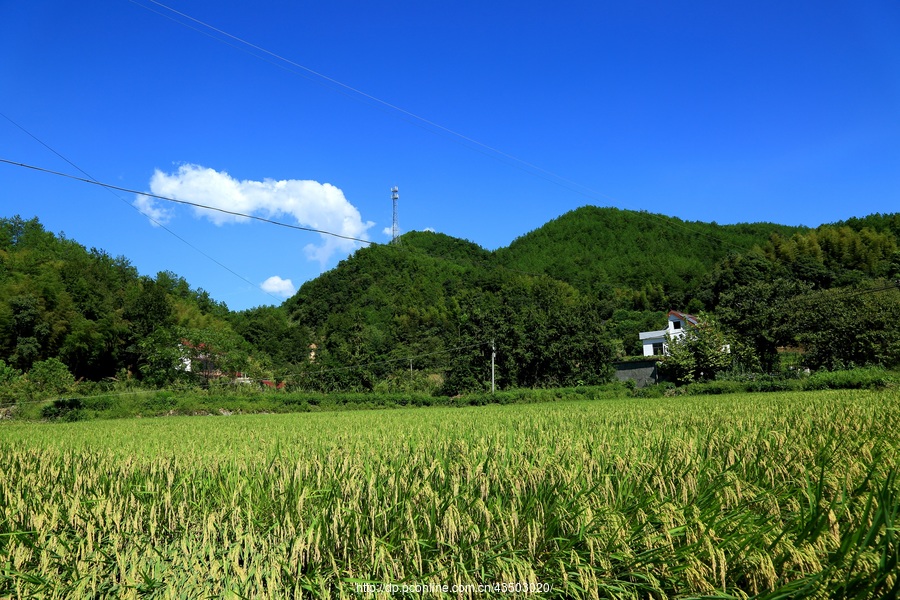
491 117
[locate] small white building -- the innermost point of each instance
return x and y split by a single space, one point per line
656 343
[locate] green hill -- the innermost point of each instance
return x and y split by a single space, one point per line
93 312
577 290
557 306
443 300
599 249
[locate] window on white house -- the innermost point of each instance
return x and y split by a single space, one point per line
657 348
676 324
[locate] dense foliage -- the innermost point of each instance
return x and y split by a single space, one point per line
555 308
832 292
652 260
442 302
95 315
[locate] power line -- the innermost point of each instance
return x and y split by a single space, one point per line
111 187
237 214
185 202
256 218
431 125
832 294
279 60
108 186
132 206
233 213
295 67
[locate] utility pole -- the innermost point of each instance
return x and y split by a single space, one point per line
493 356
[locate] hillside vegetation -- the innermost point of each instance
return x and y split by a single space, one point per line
443 301
555 308
596 249
83 314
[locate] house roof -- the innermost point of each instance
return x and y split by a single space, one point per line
646 335
649 335
189 344
683 316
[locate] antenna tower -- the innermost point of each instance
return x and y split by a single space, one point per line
395 231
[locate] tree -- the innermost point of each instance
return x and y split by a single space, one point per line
626 325
850 327
36 324
194 355
10 378
763 314
49 378
702 352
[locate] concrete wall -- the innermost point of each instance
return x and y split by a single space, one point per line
643 372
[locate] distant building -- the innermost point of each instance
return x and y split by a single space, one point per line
656 343
200 360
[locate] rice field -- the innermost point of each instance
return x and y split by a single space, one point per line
754 495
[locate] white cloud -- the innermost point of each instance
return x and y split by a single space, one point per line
311 204
430 230
150 209
278 286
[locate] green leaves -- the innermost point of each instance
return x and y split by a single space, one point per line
703 351
559 302
849 328
195 355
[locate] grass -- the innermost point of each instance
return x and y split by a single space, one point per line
245 400
772 495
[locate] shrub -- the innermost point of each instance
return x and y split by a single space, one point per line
64 409
866 378
715 387
159 402
10 383
48 378
8 374
770 385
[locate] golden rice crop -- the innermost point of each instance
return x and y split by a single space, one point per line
735 496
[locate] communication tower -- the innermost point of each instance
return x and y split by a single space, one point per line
395 231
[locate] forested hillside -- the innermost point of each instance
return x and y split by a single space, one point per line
557 306
442 301
660 259
95 313
832 291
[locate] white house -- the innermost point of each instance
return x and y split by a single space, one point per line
655 342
